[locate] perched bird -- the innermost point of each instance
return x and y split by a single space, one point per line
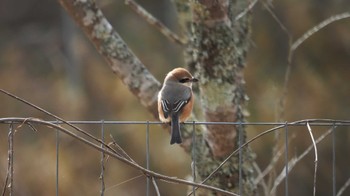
175 100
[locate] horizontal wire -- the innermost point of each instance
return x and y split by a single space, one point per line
312 122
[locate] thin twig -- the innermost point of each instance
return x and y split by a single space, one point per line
237 150
317 28
9 173
126 181
56 117
264 133
246 10
274 16
155 187
316 156
115 155
280 108
295 160
272 163
294 45
282 99
32 127
261 181
344 187
155 22
120 149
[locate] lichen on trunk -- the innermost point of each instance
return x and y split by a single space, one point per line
216 54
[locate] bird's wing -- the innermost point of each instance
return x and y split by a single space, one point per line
165 107
175 107
174 99
178 105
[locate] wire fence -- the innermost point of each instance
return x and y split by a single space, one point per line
287 129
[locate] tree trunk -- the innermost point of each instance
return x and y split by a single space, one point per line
216 54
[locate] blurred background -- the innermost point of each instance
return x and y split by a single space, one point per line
46 60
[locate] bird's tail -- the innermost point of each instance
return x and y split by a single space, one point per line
175 130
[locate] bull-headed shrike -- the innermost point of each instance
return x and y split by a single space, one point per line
175 100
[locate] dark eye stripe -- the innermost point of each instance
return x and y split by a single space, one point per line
184 80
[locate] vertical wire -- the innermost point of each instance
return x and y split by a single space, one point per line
333 161
194 156
147 159
102 159
57 159
286 158
11 157
240 142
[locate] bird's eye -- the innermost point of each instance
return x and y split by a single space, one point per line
184 80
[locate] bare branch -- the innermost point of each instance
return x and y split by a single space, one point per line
107 149
155 22
112 47
9 175
237 150
295 160
318 27
125 181
245 11
115 155
54 116
300 122
282 99
294 46
274 16
120 149
316 155
155 187
261 181
272 163
344 187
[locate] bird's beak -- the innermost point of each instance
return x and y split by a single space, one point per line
194 80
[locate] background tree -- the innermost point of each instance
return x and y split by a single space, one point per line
215 36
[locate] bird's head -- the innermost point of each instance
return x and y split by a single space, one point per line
181 76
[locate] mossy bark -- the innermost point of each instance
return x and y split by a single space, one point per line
216 54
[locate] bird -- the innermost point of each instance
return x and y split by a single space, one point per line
175 100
